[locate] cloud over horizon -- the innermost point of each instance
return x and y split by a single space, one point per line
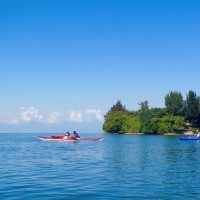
94 114
54 118
32 114
88 115
75 116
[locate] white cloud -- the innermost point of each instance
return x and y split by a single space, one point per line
94 114
11 122
86 116
75 116
31 114
53 118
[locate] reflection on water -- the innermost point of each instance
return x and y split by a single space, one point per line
120 167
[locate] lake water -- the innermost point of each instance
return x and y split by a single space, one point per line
120 167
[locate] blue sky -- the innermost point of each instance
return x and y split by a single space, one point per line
65 63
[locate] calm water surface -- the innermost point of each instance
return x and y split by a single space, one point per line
120 167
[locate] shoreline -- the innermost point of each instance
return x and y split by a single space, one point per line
186 133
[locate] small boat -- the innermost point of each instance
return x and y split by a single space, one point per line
72 139
191 137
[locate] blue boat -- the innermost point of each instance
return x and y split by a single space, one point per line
192 137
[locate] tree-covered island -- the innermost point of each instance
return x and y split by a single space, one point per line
178 116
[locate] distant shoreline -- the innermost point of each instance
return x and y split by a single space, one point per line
165 134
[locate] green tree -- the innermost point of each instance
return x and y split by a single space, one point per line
131 124
192 107
114 122
149 122
170 124
118 107
174 103
198 119
144 106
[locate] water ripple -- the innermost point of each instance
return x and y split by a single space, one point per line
120 167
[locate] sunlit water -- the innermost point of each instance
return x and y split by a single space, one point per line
120 167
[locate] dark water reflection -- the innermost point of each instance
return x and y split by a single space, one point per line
120 167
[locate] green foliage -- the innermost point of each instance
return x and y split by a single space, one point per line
174 103
132 124
198 118
158 112
192 107
148 121
114 122
121 122
155 120
144 106
118 107
170 124
194 129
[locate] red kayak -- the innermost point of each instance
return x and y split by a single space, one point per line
69 139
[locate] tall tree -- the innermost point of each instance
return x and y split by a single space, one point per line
118 107
148 122
144 106
192 107
198 120
174 103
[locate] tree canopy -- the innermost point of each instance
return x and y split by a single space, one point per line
192 107
117 107
174 103
148 120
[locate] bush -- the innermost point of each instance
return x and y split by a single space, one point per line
121 122
170 124
114 122
131 124
150 120
194 129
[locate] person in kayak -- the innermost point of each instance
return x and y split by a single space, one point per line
197 134
76 135
67 136
68 133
